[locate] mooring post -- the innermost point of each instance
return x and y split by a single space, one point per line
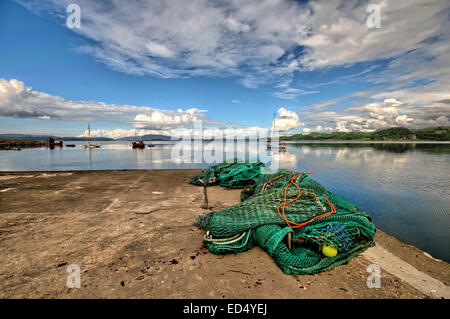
289 240
206 205
205 194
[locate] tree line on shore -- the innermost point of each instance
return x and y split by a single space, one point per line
438 133
8 144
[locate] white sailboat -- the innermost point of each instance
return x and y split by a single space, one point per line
281 146
90 145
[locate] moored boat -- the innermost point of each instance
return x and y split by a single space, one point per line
138 144
52 143
89 145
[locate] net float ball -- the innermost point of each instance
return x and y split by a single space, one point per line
329 251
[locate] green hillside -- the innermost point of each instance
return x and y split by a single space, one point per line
393 134
439 133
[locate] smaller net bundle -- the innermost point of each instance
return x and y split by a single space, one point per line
233 174
274 205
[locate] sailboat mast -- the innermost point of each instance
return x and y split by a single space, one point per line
273 121
89 136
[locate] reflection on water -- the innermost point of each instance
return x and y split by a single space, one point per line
404 187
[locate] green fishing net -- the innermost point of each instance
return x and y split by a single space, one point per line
233 174
256 220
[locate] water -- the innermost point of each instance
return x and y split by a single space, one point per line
403 186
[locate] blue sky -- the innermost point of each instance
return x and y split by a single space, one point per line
162 65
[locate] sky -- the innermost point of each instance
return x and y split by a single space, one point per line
152 67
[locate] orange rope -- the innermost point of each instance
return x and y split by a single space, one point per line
282 215
274 179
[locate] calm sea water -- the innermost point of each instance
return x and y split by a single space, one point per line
404 187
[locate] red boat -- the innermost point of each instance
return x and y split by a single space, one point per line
138 144
51 143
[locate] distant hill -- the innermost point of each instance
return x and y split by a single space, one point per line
148 137
393 133
439 133
334 136
27 137
36 137
75 138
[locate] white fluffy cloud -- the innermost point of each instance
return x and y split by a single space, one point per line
287 120
377 115
158 119
118 133
20 101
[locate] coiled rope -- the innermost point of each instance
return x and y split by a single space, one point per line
283 205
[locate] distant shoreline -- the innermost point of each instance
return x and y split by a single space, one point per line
17 144
364 142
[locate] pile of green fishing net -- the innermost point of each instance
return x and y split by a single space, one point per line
233 174
256 221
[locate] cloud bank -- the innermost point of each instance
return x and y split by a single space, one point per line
20 101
